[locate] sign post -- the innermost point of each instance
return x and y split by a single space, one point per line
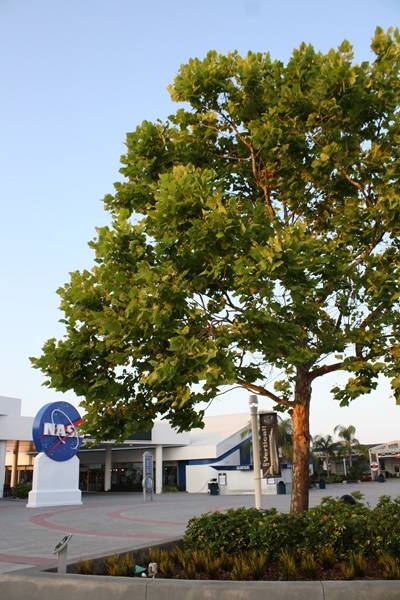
253 403
147 481
56 467
61 549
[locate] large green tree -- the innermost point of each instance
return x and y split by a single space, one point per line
256 227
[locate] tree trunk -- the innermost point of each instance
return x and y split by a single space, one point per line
301 443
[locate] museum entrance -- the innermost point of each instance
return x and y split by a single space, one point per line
126 477
91 478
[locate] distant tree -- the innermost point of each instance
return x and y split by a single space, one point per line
257 227
326 448
349 441
285 438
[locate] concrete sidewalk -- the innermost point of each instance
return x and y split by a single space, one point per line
108 523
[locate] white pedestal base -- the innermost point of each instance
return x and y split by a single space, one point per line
54 483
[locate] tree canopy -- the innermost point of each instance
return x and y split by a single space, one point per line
258 226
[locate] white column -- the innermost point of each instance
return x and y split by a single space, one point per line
107 470
159 469
3 446
253 403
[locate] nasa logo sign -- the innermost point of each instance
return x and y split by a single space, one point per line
55 430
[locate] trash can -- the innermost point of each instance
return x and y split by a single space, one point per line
322 484
213 487
281 488
380 478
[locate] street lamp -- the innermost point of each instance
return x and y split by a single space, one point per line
253 403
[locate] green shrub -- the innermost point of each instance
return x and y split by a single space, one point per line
277 532
386 528
330 531
228 532
22 490
340 525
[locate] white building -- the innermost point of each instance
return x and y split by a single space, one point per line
182 461
387 458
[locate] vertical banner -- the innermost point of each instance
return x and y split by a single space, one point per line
269 445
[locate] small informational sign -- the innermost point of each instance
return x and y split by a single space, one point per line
221 478
268 445
374 467
147 482
55 431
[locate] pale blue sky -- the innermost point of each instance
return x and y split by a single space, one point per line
76 75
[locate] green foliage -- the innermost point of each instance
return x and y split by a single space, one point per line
357 495
22 490
327 556
112 565
329 531
85 567
241 568
118 565
357 563
387 525
258 561
390 566
257 225
230 532
308 565
287 565
256 228
182 558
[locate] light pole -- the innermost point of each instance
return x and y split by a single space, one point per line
253 403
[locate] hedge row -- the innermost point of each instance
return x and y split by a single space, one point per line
333 524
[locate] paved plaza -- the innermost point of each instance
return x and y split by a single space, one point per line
112 522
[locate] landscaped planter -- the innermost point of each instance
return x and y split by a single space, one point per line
48 586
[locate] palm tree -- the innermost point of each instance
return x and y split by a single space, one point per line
349 442
285 438
326 448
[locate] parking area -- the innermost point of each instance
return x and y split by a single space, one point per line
108 523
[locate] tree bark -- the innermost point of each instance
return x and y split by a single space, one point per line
301 443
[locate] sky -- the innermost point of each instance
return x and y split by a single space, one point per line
76 75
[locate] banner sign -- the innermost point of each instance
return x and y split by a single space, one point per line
269 445
55 430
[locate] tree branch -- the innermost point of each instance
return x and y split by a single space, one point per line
265 188
324 370
258 389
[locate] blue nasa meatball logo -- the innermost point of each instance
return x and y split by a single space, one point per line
55 430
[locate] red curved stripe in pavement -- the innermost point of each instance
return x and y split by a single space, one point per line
117 514
17 559
42 521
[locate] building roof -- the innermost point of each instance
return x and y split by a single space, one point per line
218 428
